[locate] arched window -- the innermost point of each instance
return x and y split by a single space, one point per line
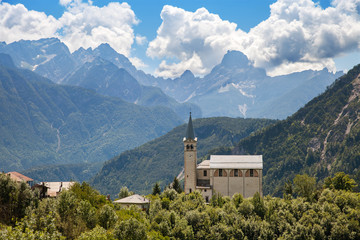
236 173
187 146
251 173
220 173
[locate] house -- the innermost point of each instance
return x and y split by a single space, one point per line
18 177
224 174
134 200
52 189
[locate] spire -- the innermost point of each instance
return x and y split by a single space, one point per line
190 130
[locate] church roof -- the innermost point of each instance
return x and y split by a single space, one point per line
236 161
190 134
204 164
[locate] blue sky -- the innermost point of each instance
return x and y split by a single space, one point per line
281 36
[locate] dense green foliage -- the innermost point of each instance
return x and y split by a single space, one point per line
81 213
42 123
320 139
163 158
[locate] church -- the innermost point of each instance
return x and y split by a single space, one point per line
223 174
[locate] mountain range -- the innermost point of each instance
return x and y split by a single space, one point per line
102 69
233 88
236 88
43 123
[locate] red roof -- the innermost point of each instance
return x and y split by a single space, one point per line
19 177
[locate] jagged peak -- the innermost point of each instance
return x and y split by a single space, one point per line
104 47
235 58
187 73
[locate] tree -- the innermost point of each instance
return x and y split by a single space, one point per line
176 185
156 189
130 229
98 233
237 199
124 192
341 181
304 186
107 217
14 199
259 206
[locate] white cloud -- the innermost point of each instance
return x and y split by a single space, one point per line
81 25
298 35
193 64
16 22
85 25
137 62
140 40
190 36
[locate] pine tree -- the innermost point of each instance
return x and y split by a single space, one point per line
156 189
176 185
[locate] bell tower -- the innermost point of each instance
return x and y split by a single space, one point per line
190 158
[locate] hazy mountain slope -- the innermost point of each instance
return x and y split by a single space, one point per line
44 123
320 139
236 88
162 159
233 88
60 173
107 79
48 57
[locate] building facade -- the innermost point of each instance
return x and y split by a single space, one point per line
223 174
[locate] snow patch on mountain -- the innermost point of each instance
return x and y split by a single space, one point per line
239 87
243 109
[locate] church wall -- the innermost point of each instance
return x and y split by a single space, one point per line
200 174
235 185
253 184
221 184
206 193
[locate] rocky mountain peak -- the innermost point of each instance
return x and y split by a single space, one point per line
187 74
235 59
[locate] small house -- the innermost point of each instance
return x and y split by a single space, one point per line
134 200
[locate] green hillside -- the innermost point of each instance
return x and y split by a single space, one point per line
160 160
42 123
320 139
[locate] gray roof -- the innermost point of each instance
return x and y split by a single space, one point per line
133 199
204 164
236 161
190 134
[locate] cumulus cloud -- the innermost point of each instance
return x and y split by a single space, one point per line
140 40
200 36
137 62
16 22
85 25
81 25
298 35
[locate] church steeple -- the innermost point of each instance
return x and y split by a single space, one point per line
190 158
190 130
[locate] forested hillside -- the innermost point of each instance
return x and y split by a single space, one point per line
320 139
42 123
162 159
